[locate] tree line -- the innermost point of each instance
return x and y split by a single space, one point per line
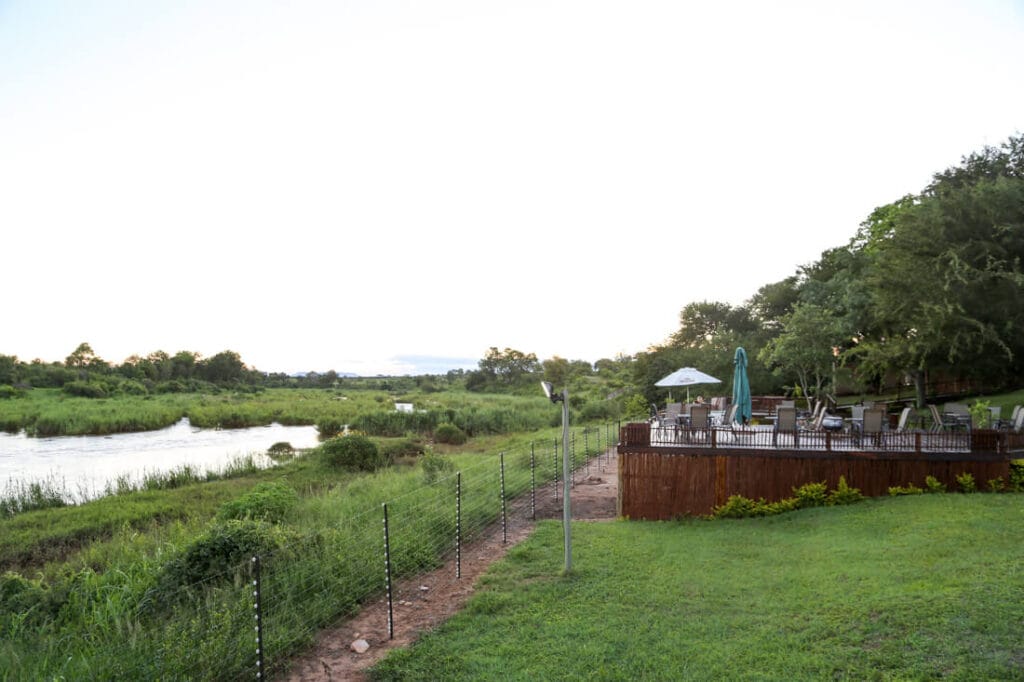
928 291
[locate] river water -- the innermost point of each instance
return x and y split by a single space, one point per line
84 465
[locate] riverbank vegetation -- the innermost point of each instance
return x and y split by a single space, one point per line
111 587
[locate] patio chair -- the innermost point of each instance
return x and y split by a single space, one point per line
1008 423
785 422
700 421
873 424
938 423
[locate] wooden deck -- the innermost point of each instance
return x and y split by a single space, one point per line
664 476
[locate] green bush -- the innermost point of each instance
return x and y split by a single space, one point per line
739 507
85 389
450 434
220 551
844 494
995 485
9 392
934 485
329 427
434 466
265 502
966 483
1017 475
910 489
394 448
811 495
354 452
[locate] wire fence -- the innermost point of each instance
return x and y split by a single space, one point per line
249 620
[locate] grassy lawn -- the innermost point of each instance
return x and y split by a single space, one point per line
890 589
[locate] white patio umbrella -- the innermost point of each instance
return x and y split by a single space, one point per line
687 376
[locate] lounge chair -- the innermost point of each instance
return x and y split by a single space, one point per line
901 425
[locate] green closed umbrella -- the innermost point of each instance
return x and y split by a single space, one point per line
741 387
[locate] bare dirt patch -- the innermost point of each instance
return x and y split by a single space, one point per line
426 601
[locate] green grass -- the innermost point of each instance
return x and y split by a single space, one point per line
892 589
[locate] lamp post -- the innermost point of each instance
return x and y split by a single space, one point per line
566 469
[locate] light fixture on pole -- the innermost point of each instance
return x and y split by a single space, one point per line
566 470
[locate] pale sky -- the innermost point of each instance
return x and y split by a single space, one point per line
344 185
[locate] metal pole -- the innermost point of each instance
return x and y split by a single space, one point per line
533 484
504 518
586 450
387 575
258 608
458 525
572 478
566 477
554 461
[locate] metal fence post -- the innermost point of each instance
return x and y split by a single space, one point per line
586 450
572 451
458 524
555 463
257 605
504 519
387 574
533 484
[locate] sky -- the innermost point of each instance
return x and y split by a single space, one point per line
384 186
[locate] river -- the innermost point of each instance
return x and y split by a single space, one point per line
84 465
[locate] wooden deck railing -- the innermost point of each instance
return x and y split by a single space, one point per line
667 473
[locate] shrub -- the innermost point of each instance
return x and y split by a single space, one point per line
934 485
1017 475
220 550
329 427
450 434
739 507
434 465
844 494
9 392
265 502
811 495
281 450
910 489
966 483
395 448
995 485
84 389
353 451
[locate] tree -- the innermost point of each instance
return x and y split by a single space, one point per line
508 367
807 348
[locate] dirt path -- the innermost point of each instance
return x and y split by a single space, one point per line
424 602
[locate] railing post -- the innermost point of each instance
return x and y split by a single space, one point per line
387 575
504 518
257 589
458 525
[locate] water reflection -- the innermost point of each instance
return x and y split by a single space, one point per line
84 465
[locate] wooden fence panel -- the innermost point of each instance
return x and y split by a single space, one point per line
673 482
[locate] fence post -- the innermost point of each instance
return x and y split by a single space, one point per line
387 574
458 524
257 588
533 484
572 470
504 519
555 464
586 450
